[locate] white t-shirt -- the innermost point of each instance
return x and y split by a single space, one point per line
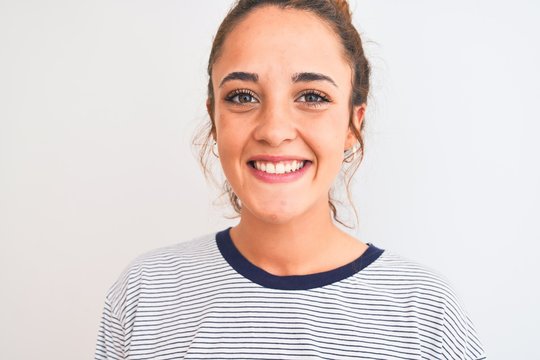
202 299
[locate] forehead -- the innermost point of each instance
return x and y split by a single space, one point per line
284 41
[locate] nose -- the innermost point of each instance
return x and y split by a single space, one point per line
275 125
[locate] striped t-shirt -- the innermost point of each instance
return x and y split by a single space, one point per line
202 299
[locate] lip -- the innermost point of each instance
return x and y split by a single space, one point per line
279 178
274 158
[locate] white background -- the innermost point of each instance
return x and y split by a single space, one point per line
99 100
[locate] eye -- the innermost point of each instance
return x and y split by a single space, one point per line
241 97
313 98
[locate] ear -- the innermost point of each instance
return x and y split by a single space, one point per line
359 112
210 113
209 107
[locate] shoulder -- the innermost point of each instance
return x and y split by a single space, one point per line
396 271
433 293
155 265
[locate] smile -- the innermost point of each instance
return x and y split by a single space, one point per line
281 171
280 167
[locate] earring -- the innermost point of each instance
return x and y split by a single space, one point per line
351 154
214 149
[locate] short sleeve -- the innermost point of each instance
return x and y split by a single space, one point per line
110 341
460 339
115 326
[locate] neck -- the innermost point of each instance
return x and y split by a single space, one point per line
308 243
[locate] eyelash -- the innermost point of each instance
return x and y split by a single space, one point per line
324 98
237 92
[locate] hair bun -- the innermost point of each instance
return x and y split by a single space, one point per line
343 7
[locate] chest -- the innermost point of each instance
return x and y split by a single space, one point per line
250 325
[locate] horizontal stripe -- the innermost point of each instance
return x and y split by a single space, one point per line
201 299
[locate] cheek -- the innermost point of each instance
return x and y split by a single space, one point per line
328 145
328 133
231 140
223 129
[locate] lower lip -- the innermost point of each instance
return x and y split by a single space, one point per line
279 178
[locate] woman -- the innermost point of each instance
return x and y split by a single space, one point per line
286 99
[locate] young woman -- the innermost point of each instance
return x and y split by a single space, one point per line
287 96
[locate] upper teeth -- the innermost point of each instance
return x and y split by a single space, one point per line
281 167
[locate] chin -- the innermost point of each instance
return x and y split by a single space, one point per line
277 215
276 219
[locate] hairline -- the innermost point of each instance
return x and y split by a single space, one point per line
287 7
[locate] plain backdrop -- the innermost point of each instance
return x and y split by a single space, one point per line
99 101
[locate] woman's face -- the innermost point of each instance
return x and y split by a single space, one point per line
282 88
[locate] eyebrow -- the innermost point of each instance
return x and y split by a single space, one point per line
240 75
311 76
298 77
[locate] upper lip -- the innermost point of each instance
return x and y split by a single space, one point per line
274 158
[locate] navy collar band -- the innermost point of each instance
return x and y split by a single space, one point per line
290 282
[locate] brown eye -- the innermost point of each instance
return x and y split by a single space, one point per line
241 97
244 98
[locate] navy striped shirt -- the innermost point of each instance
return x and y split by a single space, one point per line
202 299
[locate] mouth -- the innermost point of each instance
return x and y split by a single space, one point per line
279 167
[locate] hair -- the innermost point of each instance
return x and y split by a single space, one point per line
335 13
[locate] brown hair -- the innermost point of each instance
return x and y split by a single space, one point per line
337 14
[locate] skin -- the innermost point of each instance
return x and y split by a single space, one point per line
285 228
